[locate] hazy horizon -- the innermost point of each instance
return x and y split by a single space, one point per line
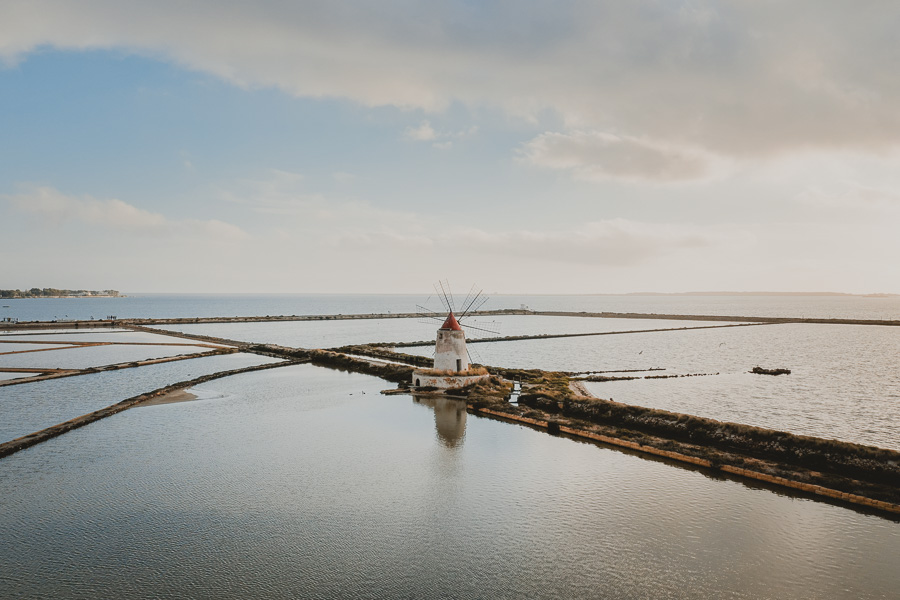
123 293
562 147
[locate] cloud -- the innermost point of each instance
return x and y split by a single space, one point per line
738 79
442 140
611 243
615 242
286 195
352 227
423 133
53 206
600 156
850 195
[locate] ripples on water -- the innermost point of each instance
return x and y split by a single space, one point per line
296 484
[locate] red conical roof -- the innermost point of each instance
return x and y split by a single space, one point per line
451 323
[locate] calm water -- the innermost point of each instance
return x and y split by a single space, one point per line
73 357
295 483
845 380
29 407
305 482
210 305
332 334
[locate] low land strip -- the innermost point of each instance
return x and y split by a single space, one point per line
76 324
550 336
43 435
44 374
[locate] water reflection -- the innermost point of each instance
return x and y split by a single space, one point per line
449 418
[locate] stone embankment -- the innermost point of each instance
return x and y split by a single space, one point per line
43 435
550 336
580 432
75 324
837 462
59 373
670 317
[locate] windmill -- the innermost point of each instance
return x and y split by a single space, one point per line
450 347
451 357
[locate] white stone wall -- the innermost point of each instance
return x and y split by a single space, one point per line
427 379
450 351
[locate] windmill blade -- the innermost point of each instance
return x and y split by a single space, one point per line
476 305
427 319
467 327
476 358
471 303
468 297
424 311
448 295
442 296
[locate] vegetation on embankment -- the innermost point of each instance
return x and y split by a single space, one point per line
336 360
485 392
866 470
377 351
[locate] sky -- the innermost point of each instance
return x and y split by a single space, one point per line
377 147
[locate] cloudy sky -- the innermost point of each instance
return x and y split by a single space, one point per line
378 146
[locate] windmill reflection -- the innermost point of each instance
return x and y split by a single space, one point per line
449 418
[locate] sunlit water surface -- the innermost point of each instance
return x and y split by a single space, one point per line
844 381
29 407
333 334
230 305
303 482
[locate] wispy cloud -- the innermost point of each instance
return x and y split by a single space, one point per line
611 243
594 155
423 133
850 195
442 140
355 226
53 206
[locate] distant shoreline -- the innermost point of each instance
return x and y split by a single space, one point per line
18 294
51 297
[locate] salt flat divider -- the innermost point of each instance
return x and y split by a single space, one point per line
58 373
32 439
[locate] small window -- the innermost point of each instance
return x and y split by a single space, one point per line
459 364
417 383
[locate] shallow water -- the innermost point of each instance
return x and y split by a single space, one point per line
845 380
94 356
13 375
213 305
296 484
88 336
333 334
29 407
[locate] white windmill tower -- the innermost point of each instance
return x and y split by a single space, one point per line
451 357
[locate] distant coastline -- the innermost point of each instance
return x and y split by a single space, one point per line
57 293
